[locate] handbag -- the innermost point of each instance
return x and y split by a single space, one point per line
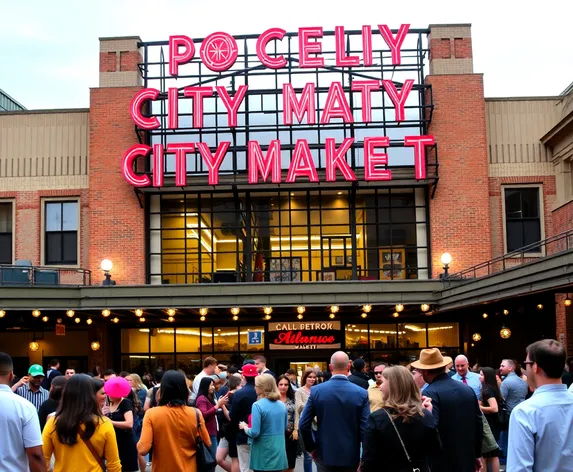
413 466
91 447
503 415
205 460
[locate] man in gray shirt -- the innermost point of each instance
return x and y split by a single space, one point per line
513 390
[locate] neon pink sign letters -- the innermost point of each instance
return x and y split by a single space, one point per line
219 52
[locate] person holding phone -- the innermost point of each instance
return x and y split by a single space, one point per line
206 403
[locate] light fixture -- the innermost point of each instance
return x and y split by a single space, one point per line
425 307
34 345
505 333
267 317
395 314
506 312
300 310
89 321
364 315
300 316
484 316
334 308
70 313
2 313
366 309
540 307
36 313
115 320
566 302
45 319
268 310
95 346
235 311
59 320
339 193
77 320
142 320
446 260
170 319
235 317
292 194
202 318
105 313
399 307
476 337
139 312
203 311
171 311
106 266
332 315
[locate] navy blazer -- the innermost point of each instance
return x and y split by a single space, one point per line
243 401
341 409
458 419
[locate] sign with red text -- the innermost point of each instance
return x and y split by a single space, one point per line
305 335
282 107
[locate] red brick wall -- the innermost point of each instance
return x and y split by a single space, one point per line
128 60
563 219
459 212
107 61
117 223
440 48
462 48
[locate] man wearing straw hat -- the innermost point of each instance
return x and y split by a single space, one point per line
456 414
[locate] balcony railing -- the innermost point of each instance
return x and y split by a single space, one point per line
527 254
23 273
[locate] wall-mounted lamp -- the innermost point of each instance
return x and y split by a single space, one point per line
446 260
106 265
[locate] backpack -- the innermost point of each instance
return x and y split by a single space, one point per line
503 415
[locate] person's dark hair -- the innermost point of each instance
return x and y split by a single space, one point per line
57 387
173 390
549 355
123 374
96 371
209 361
234 382
290 372
307 372
204 388
108 372
137 406
78 406
54 362
569 363
518 369
232 370
490 380
290 391
158 375
97 383
6 364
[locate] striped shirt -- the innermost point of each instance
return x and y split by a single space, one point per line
36 398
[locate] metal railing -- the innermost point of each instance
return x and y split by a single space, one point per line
527 254
28 275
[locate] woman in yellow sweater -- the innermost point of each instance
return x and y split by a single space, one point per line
171 428
78 436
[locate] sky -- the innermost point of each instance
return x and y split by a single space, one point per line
49 51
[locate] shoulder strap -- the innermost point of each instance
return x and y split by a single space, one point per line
399 437
198 438
91 447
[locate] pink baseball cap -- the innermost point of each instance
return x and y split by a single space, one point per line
117 387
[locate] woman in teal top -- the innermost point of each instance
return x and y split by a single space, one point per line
268 426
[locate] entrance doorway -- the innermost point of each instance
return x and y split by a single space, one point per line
281 365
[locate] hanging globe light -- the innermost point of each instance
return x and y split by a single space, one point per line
476 337
505 333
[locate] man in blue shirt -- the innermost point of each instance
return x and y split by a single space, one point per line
466 376
541 428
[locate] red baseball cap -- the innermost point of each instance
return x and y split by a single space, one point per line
250 370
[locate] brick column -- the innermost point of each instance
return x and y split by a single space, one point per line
117 222
459 211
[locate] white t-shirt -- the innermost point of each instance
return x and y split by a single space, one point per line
20 429
196 383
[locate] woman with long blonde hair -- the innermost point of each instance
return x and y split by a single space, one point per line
268 426
402 434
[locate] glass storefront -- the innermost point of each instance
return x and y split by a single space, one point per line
288 236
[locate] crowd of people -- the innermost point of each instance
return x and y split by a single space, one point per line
436 414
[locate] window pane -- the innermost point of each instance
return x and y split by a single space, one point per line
191 364
207 340
356 336
188 339
70 248
5 217
512 203
531 233
6 248
134 340
70 216
514 231
165 361
162 340
53 216
382 336
530 202
53 248
444 334
226 339
412 335
257 339
135 363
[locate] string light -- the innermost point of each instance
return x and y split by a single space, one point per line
202 318
70 313
364 315
171 319
505 333
424 307
77 320
540 307
34 345
301 309
300 316
484 316
567 301
267 317
45 319
332 316
399 307
334 309
171 312
139 312
203 311
476 337
95 346
506 312
2 313
142 320
36 313
105 313
89 321
235 311
115 320
366 309
395 314
268 310
235 317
